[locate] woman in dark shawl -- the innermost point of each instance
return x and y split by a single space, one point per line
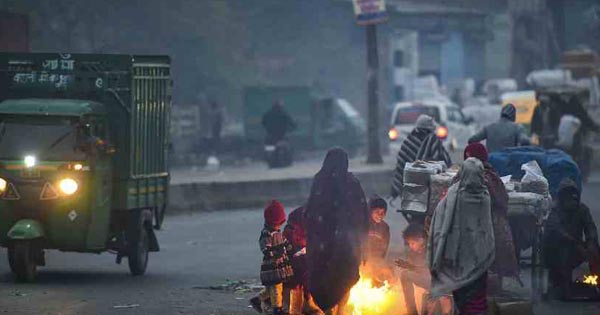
337 221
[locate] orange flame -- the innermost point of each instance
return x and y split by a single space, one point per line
591 279
367 299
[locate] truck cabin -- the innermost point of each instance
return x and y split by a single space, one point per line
51 130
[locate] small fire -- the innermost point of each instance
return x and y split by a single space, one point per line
591 279
366 299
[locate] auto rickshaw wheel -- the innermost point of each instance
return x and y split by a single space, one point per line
138 249
21 258
11 259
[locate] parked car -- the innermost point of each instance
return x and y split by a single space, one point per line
454 129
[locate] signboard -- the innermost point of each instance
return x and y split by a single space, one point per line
370 11
53 73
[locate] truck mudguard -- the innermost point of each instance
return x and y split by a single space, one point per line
26 229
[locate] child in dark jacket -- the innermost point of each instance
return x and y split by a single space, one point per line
296 289
276 267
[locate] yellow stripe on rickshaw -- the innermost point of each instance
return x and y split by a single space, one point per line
145 190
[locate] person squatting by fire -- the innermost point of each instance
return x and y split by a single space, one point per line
564 246
414 270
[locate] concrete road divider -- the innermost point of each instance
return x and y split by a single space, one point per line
251 187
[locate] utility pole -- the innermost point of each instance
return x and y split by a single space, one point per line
369 13
374 154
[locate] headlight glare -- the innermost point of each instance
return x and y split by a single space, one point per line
3 185
68 186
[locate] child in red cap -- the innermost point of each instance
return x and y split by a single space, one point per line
276 267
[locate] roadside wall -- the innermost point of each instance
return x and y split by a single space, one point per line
201 197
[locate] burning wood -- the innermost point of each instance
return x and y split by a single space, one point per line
585 289
368 299
591 279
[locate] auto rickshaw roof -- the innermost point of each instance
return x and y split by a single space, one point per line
53 107
563 89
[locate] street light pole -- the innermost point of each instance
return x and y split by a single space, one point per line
374 154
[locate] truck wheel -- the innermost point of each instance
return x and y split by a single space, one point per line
21 258
138 250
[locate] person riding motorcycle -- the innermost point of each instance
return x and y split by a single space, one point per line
277 124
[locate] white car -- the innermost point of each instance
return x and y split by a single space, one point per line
453 128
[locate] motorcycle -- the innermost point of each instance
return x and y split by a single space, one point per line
278 154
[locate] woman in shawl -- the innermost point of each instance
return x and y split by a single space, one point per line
337 221
421 144
461 242
505 264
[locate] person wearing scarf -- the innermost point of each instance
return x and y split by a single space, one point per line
421 144
506 264
296 289
337 222
563 243
461 242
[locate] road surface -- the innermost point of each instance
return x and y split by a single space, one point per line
197 251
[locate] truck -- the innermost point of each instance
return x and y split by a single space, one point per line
321 121
83 156
14 32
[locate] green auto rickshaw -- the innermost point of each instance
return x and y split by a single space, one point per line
83 156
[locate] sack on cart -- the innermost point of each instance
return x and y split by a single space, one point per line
525 212
534 180
438 187
556 165
415 191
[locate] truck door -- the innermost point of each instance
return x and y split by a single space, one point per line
100 187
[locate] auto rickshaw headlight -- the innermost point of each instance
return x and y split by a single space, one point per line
68 186
3 185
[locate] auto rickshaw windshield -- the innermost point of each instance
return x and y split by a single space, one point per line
44 137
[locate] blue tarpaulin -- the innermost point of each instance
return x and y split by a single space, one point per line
555 164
